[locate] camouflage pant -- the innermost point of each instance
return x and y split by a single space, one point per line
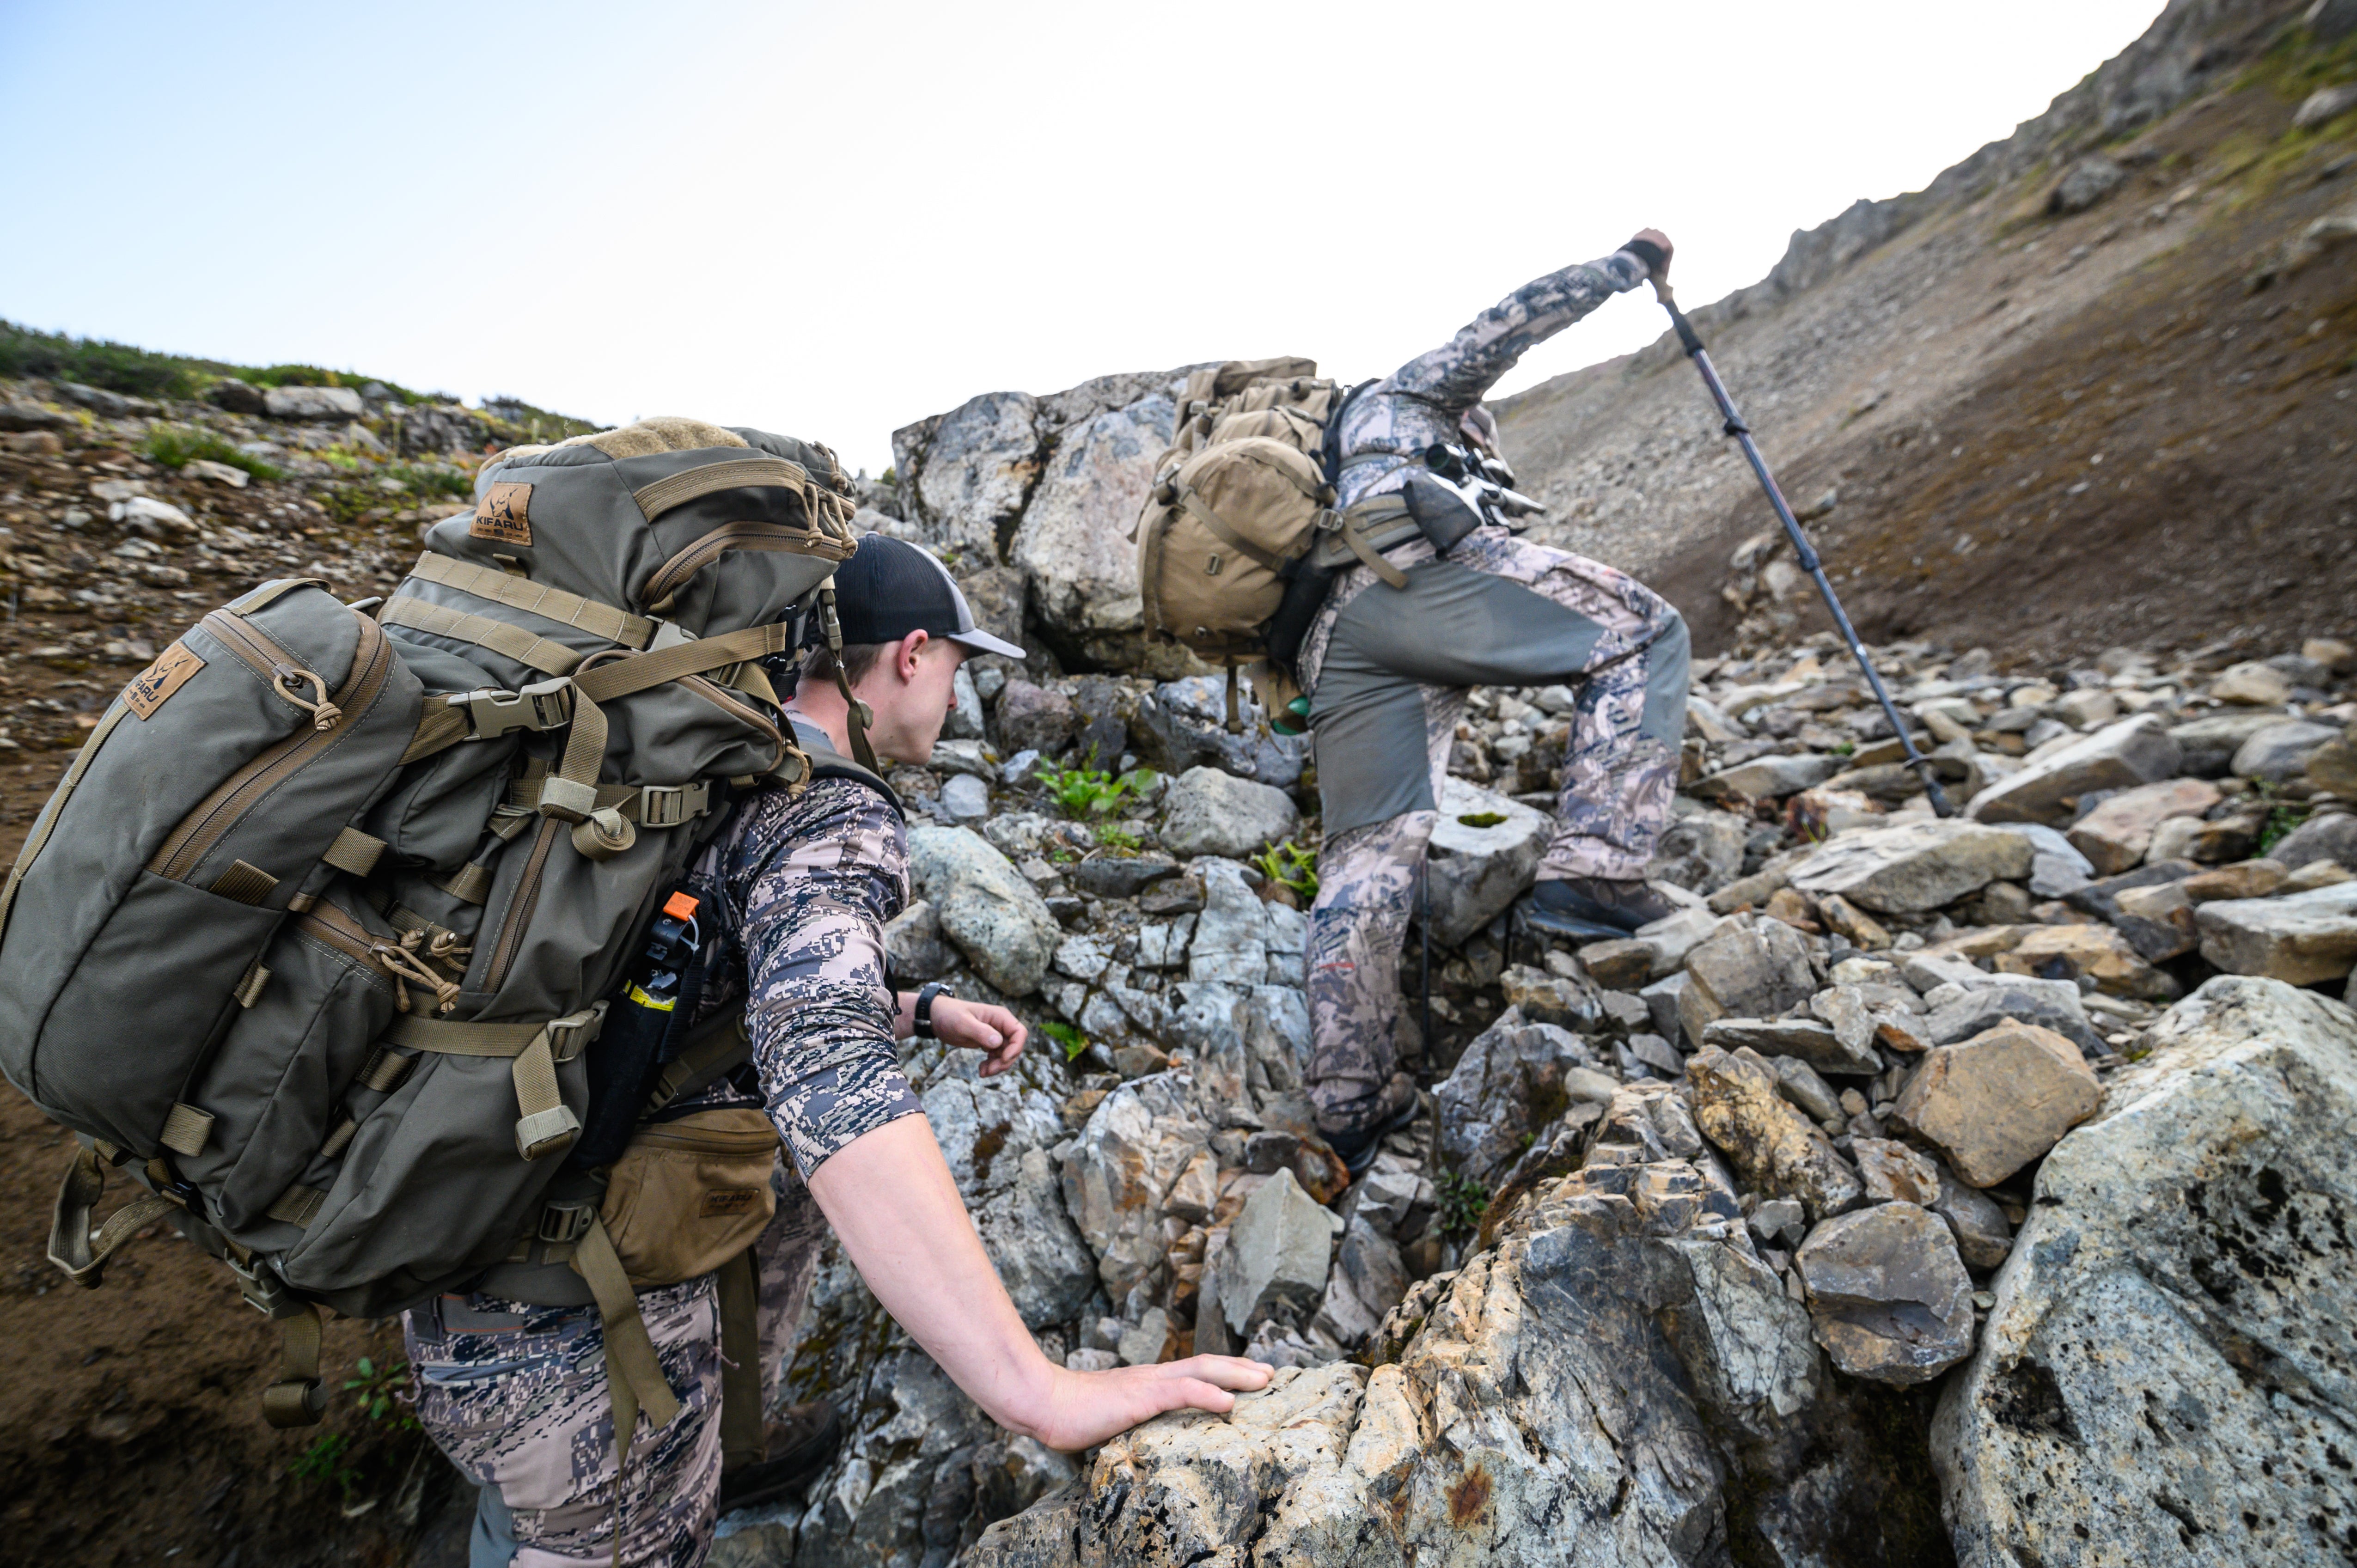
1374 661
516 1396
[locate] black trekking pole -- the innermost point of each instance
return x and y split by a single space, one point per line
1922 765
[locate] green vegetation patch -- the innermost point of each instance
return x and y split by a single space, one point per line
176 446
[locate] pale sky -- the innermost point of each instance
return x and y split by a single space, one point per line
832 220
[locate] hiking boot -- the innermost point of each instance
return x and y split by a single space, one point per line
802 1440
1591 906
1395 1108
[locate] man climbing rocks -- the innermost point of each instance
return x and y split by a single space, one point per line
802 885
1388 669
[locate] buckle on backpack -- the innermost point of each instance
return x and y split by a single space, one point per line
542 705
262 1289
668 805
569 1035
567 1221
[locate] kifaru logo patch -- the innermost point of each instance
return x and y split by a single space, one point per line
153 686
504 514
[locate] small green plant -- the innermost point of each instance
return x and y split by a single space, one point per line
1844 748
1289 865
1112 835
1089 791
1072 1041
432 479
382 1393
1481 819
176 446
1463 1201
327 1460
2281 821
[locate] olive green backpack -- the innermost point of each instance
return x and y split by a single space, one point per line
314 934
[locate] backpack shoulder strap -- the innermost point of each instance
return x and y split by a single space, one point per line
824 762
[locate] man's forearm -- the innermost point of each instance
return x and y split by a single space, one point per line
895 1208
1461 371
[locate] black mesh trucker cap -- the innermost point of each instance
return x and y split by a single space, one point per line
890 588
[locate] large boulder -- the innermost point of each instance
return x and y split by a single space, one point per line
1754 967
966 473
1999 1100
2180 1309
1278 1248
2118 757
1914 867
1120 1173
1485 850
1182 724
1216 813
1514 1079
1619 1381
313 402
1889 1297
1073 543
993 915
1772 1146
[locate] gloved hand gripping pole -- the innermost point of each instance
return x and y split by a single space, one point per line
1806 552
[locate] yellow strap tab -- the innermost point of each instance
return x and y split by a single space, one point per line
249 990
246 883
386 1070
354 852
514 642
604 621
186 1129
544 1125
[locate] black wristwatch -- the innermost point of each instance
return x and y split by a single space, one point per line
923 1011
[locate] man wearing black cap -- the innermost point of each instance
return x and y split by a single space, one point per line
801 885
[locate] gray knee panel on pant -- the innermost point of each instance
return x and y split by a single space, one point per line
492 1543
1450 626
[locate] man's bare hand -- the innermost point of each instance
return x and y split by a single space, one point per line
977 1027
1082 1409
1654 237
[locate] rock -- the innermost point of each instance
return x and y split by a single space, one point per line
2319 838
1661 1000
2099 952
966 721
1913 868
965 799
99 400
2206 746
972 468
1701 852
1806 1039
2171 1290
1212 812
1566 1001
2118 757
914 951
1232 934
995 1133
1369 1280
313 402
1625 964
1034 718
1982 1237
1753 968
1617 1380
2279 753
1119 1174
995 917
2244 879
219 473
2326 103
1642 1055
2157 922
1893 1173
1992 1103
1073 543
237 396
1673 937
1183 724
1148 1340
1275 1260
1889 1297
2115 834
2252 684
1107 875
2048 1003
1798 1082
1478 867
2089 181
1510 1082
2301 938
1766 777
2333 766
1771 1146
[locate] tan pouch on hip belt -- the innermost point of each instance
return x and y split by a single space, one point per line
688 1194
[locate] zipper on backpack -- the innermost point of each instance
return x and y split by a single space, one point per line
521 905
221 811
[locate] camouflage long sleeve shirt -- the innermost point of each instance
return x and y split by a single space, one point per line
1421 403
805 887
